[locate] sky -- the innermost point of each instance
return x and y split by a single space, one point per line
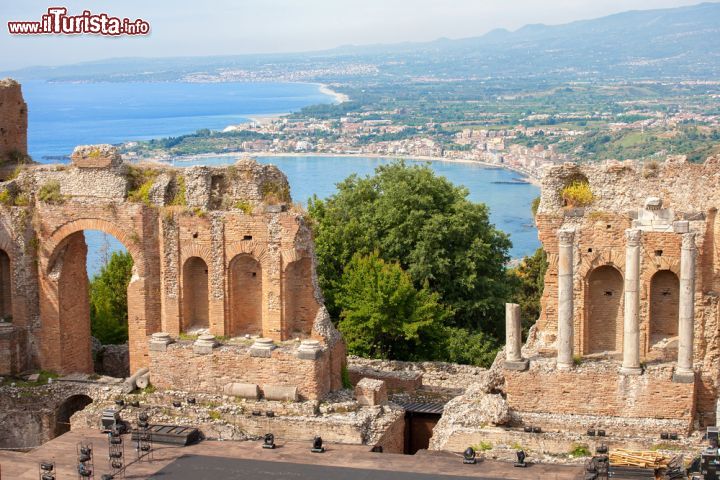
231 27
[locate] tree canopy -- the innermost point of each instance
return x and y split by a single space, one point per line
108 299
426 225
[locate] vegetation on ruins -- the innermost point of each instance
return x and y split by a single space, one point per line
428 228
180 198
140 182
275 192
108 299
580 450
50 193
577 194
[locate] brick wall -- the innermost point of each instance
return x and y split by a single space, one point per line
179 368
195 294
13 120
596 389
245 296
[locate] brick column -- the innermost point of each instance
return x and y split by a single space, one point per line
565 299
684 371
631 330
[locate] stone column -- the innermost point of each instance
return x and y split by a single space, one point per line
513 338
565 325
684 371
631 330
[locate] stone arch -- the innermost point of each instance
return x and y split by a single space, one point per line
604 310
62 233
251 247
64 303
664 305
300 304
245 294
195 294
66 410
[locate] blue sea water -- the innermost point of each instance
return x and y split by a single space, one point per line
63 115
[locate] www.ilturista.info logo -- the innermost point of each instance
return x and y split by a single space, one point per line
58 22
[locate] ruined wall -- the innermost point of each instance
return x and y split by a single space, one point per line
179 367
13 122
230 270
596 389
663 200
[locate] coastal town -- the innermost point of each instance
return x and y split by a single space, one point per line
524 149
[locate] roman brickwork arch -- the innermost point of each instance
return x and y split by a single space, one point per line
664 305
300 306
603 310
64 306
245 295
195 295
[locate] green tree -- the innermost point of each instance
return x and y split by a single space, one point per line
383 315
108 299
529 280
425 223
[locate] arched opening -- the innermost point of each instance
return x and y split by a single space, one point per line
196 313
604 311
66 410
300 304
5 287
664 305
91 273
245 296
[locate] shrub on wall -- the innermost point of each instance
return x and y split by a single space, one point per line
577 194
50 193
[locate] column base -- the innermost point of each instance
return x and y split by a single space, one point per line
683 376
630 371
564 366
518 365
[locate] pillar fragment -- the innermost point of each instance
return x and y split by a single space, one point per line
684 372
565 299
631 329
513 338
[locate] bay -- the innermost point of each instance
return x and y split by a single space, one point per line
63 115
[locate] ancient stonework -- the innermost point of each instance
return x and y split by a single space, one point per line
13 122
215 251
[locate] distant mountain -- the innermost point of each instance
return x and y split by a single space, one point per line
677 42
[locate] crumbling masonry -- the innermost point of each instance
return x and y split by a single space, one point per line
216 251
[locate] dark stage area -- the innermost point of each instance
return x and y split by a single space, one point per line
198 467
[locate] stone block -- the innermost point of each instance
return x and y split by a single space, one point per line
34 377
683 377
96 156
159 341
204 344
280 392
262 347
243 390
519 365
309 350
370 392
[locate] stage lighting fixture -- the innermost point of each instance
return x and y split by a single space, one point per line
135 404
520 459
269 441
469 456
317 446
120 402
664 435
601 433
106 476
673 436
602 449
191 400
270 414
528 429
177 404
591 432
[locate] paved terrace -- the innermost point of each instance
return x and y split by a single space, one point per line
212 460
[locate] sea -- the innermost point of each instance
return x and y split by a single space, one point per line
63 115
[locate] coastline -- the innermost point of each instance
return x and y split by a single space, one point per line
326 90
415 158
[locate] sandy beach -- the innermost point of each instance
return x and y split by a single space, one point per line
339 97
